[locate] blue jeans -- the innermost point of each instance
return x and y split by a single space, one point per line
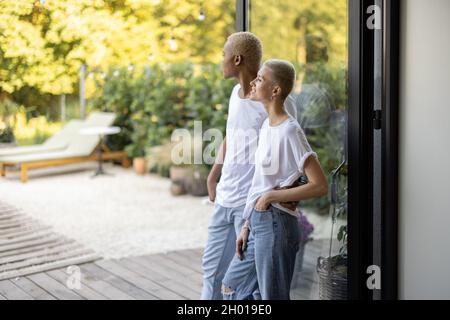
268 263
223 229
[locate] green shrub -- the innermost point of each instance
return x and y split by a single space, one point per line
152 101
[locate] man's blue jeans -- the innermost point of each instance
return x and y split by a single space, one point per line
269 259
223 229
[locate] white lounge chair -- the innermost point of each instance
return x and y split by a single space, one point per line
78 148
59 141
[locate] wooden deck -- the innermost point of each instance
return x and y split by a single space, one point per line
175 275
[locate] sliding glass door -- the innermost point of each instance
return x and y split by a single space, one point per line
313 35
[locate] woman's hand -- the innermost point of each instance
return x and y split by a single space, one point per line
241 242
262 204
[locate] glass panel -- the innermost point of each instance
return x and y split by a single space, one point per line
313 35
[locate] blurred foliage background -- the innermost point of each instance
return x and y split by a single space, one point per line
44 43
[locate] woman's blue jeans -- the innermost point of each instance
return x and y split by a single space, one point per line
269 260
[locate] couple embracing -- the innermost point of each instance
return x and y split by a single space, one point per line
253 234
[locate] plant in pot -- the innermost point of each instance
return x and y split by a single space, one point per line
332 270
137 149
196 181
178 176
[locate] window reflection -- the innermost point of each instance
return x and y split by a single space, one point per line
313 36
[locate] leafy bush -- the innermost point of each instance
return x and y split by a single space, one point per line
6 134
34 131
151 102
116 95
7 109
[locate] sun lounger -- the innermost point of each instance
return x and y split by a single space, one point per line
59 141
79 148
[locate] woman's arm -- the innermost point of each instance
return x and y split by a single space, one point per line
317 186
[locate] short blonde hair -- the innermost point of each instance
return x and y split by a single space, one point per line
283 73
247 45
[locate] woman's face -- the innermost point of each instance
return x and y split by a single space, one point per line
228 65
262 86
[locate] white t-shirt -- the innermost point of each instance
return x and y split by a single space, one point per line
245 118
279 161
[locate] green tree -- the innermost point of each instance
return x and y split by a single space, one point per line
43 45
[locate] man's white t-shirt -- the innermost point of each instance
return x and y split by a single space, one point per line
245 118
279 161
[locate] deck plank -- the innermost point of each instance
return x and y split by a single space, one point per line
183 260
175 275
179 268
184 275
53 287
32 289
102 287
124 286
12 292
85 291
165 291
167 278
117 269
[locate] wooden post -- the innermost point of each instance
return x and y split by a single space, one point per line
23 173
2 170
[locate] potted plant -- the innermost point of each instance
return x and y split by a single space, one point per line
332 270
196 181
137 149
178 176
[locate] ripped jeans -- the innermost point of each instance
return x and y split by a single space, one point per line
225 224
269 260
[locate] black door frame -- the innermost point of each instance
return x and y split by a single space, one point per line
361 120
390 141
360 148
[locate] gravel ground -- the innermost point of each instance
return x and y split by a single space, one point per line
117 216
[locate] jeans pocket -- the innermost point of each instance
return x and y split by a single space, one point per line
269 209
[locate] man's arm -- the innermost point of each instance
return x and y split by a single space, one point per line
317 186
216 170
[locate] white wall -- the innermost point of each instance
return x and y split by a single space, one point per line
425 150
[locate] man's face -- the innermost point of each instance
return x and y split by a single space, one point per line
228 66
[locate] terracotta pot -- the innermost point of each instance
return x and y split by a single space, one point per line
179 174
139 165
196 183
177 189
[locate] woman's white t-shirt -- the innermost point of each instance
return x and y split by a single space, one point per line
279 161
245 118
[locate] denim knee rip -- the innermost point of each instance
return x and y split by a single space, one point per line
227 292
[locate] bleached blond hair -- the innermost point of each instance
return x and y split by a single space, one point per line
283 74
247 45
